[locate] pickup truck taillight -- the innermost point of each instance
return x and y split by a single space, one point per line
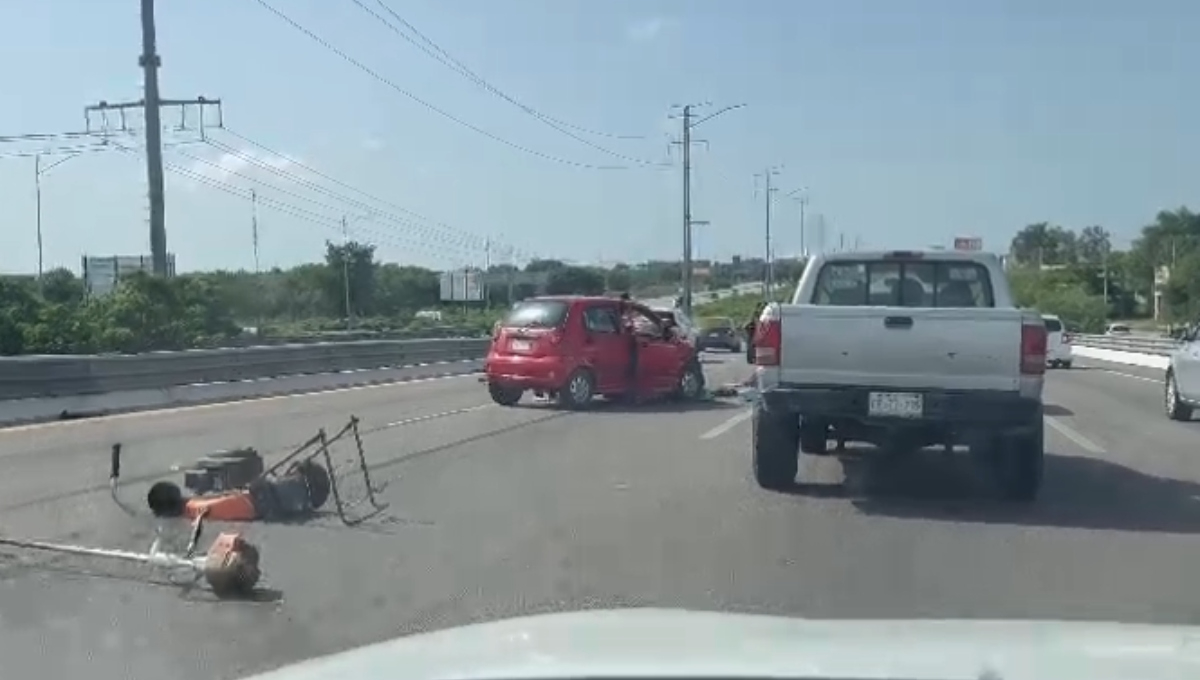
1033 349
768 338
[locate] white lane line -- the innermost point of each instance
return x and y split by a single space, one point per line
154 413
1058 426
727 425
1131 376
1070 433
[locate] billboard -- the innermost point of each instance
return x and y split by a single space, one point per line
102 274
462 285
968 243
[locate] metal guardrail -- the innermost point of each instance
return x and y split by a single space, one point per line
25 377
1141 344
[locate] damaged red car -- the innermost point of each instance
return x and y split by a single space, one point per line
574 349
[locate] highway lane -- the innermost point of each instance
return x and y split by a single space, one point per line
497 512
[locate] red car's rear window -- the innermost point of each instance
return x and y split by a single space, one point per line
537 314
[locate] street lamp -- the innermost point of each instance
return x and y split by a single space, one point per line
38 171
690 124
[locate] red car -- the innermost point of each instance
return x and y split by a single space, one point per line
577 348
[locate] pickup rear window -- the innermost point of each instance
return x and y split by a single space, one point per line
877 283
537 314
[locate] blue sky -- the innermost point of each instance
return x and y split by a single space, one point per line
909 122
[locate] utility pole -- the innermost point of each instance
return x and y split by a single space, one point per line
151 105
687 210
689 123
346 267
254 227
769 277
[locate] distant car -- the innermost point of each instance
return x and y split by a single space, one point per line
575 348
687 328
1058 343
719 333
1118 329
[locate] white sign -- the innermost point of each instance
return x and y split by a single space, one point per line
464 285
102 274
968 243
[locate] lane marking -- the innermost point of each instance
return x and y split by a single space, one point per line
1058 426
151 413
1131 376
727 425
1070 433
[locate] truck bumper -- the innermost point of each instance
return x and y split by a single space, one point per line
973 409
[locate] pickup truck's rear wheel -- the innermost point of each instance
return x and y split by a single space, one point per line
814 437
776 448
1019 463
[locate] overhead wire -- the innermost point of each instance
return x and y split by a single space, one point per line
463 70
292 161
466 246
454 65
426 104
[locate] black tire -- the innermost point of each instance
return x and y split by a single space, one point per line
573 395
814 438
1176 409
316 477
1021 464
503 395
1066 364
776 442
691 382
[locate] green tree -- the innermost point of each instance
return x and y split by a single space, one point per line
575 281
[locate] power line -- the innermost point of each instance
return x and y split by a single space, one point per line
299 180
459 67
345 185
330 223
434 51
431 107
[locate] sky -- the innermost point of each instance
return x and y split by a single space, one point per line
902 124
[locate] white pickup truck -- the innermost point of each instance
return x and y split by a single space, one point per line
901 350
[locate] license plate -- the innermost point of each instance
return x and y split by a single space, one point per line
896 404
521 345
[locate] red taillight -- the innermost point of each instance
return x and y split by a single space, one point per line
768 338
1033 349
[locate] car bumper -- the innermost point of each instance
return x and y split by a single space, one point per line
531 373
965 408
1061 354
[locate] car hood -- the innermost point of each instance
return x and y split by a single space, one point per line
658 642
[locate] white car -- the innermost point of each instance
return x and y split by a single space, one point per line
1058 343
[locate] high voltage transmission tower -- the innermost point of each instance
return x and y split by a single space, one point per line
151 106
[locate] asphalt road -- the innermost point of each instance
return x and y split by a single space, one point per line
497 512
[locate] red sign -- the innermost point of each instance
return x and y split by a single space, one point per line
968 243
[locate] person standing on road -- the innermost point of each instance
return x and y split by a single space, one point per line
630 331
750 328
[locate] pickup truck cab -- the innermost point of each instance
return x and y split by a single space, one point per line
901 350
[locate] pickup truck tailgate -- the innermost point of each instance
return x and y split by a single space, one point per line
914 348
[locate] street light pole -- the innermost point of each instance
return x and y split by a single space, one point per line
689 123
38 171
